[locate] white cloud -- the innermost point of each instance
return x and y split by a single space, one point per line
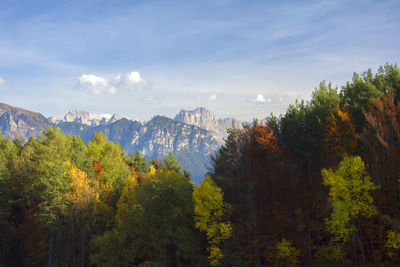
92 80
2 82
134 77
212 97
99 85
260 99
93 84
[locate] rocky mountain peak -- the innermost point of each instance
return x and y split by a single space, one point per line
115 117
87 118
200 117
203 118
74 115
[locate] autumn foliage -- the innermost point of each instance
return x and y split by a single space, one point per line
317 186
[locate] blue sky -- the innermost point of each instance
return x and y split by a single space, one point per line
241 59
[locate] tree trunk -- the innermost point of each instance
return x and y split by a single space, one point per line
254 226
83 246
50 251
361 245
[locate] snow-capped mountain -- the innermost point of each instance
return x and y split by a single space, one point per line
87 118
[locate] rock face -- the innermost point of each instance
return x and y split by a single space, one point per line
193 136
200 117
87 118
203 118
20 123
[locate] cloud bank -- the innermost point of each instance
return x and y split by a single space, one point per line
99 85
2 82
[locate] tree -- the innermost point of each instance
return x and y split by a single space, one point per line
358 94
155 224
82 199
383 125
110 171
283 254
114 247
110 158
248 169
79 156
210 216
172 164
303 125
339 137
142 166
126 202
8 236
42 173
350 196
380 149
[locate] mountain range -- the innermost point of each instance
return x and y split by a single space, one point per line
192 136
86 118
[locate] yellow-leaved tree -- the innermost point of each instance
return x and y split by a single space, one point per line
82 199
283 253
210 213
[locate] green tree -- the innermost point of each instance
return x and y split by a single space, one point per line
303 125
110 157
42 172
171 163
350 196
110 171
78 157
8 237
141 165
364 88
154 224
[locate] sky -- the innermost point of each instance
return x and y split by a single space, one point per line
241 59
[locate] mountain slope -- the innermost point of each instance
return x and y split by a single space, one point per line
20 123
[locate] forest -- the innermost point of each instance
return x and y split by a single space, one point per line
317 185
